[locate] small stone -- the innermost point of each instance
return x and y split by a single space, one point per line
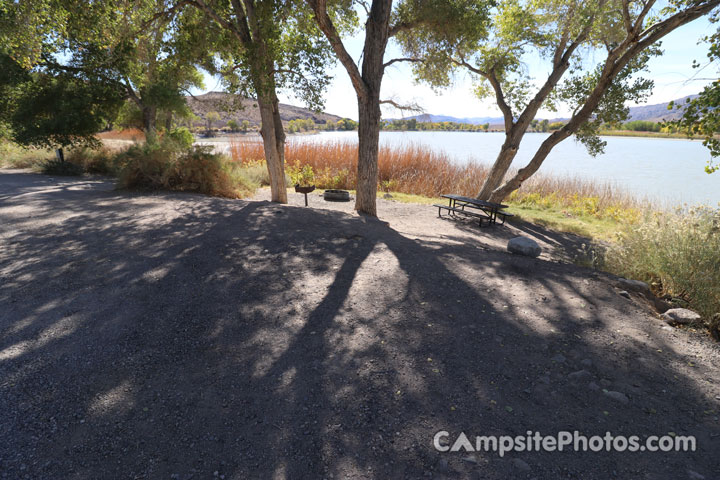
387 196
695 475
680 315
470 459
579 375
593 386
524 246
586 362
521 465
620 397
624 293
544 379
559 358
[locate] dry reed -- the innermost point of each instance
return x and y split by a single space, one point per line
423 171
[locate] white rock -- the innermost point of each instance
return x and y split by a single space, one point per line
524 246
680 315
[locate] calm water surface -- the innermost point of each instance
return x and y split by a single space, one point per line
665 170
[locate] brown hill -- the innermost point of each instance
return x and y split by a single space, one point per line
234 107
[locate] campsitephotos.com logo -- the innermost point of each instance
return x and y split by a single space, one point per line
562 441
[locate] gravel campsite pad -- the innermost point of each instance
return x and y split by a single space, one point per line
178 336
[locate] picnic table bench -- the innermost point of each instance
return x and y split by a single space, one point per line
474 208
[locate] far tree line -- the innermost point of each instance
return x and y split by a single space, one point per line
68 67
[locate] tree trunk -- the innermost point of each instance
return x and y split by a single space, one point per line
499 194
507 154
273 137
149 114
368 143
498 170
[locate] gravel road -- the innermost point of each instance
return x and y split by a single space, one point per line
174 336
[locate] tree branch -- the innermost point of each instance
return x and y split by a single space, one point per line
626 16
319 8
641 17
500 98
404 108
200 4
396 60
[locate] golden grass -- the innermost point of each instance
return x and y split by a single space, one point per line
418 170
133 134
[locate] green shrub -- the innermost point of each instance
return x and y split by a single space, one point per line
301 174
678 253
56 167
183 137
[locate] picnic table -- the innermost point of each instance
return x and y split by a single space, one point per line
473 208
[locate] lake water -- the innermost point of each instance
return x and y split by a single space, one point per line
669 171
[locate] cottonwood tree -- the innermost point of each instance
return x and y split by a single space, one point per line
139 48
263 47
566 34
383 21
162 60
43 103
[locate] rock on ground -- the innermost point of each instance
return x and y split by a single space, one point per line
680 315
524 246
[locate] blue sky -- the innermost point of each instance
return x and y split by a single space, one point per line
672 72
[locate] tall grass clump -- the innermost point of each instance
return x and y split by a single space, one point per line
580 197
15 156
678 253
93 160
410 169
167 166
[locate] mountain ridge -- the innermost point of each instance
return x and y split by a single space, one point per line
235 107
653 113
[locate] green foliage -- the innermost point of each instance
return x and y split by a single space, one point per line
302 125
286 52
347 124
129 116
442 29
210 119
414 125
49 111
677 253
233 125
642 126
701 116
302 175
182 137
625 87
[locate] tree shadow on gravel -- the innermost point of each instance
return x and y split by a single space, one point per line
180 336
